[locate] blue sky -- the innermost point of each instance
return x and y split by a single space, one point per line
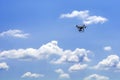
39 40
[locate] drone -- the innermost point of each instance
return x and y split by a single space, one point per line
81 27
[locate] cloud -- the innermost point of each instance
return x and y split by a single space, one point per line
62 74
31 75
96 77
77 67
4 66
30 53
78 55
107 48
85 17
45 51
60 71
14 33
111 62
76 14
94 20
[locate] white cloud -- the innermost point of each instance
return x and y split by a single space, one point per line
76 14
78 55
111 62
60 71
85 17
96 77
61 60
107 48
4 66
32 75
14 33
62 74
30 53
45 51
94 20
77 67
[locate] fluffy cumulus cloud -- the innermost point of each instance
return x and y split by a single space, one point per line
14 33
96 77
32 75
77 67
78 55
85 17
111 62
62 74
45 51
107 48
4 66
30 53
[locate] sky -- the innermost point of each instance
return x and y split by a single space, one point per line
39 40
